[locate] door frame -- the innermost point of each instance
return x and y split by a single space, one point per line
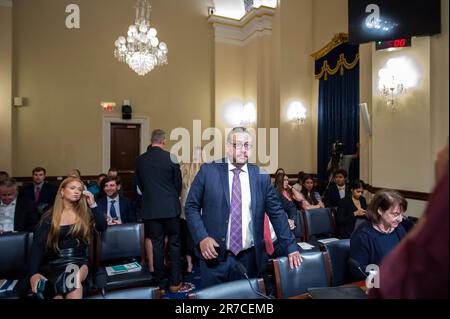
107 121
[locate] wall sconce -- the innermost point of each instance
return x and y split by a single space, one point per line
248 114
297 112
108 106
396 77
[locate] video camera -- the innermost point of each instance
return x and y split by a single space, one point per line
338 148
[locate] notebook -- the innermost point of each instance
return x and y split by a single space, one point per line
125 268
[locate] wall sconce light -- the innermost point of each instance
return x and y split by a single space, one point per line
248 114
396 77
297 112
108 106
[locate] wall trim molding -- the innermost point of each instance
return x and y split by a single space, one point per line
256 23
407 194
6 3
106 140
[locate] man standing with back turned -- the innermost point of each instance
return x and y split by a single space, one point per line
158 176
225 215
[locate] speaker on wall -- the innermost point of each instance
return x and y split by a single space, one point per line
126 110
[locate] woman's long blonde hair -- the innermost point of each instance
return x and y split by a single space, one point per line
83 223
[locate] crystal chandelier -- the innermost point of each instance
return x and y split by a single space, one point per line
141 49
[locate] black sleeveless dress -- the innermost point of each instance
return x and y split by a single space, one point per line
59 266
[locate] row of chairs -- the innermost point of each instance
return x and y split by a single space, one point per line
117 245
124 243
327 268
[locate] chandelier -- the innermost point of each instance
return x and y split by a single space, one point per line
141 49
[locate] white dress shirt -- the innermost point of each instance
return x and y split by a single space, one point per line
116 206
247 234
7 213
341 191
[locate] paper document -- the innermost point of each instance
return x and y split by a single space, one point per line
7 285
327 240
305 246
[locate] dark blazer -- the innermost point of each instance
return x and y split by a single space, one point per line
332 197
127 210
26 215
46 197
345 219
208 209
159 178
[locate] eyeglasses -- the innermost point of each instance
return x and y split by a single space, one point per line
396 214
240 146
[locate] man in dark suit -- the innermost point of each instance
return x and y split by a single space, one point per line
337 190
158 177
117 208
225 215
39 191
16 213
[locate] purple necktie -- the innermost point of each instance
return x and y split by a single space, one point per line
236 214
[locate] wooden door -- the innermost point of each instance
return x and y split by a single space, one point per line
125 147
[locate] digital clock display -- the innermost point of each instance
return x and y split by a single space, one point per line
390 44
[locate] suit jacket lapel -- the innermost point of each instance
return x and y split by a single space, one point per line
122 210
253 176
225 185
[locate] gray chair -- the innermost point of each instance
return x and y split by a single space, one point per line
239 289
337 254
14 248
120 244
133 293
312 272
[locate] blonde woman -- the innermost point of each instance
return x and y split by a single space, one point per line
188 173
60 248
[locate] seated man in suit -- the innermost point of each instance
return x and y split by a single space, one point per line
117 208
337 190
16 213
39 191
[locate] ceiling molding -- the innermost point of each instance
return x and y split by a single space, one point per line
256 23
6 3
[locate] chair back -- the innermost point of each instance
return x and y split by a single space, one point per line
299 230
239 289
318 221
121 242
14 254
133 293
337 254
293 282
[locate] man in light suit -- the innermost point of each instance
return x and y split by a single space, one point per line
225 215
117 208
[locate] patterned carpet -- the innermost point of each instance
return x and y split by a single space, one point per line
191 282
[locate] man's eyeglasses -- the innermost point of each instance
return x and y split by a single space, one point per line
240 146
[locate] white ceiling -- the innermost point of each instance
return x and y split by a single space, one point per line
235 8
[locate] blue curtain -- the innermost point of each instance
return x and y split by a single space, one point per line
338 73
